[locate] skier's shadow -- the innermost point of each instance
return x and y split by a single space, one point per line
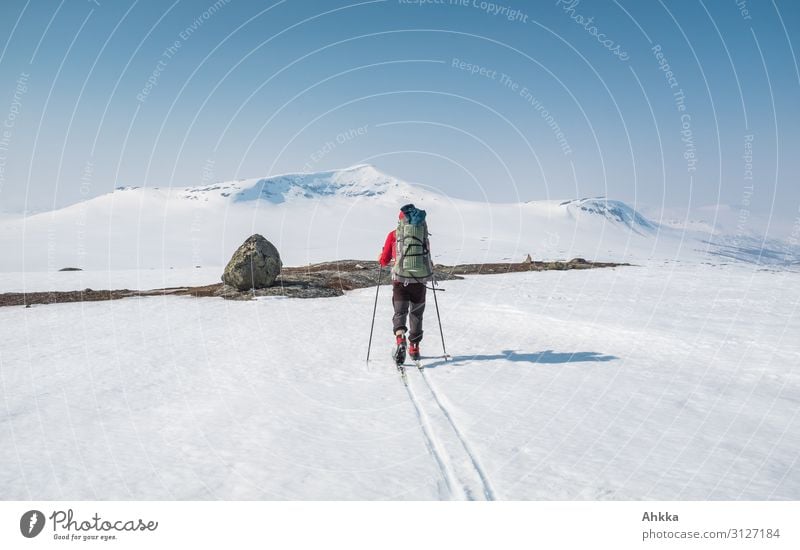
543 357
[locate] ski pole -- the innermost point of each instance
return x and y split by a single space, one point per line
438 317
374 310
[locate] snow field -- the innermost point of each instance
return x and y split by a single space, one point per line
656 382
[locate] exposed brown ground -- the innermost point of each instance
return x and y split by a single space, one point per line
312 281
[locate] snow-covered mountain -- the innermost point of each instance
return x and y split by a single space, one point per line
613 211
358 181
339 214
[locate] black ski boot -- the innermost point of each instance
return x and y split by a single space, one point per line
399 353
413 351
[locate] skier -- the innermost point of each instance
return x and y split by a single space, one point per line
408 246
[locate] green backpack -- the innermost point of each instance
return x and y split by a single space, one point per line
412 256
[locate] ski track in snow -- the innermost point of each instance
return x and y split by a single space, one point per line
487 491
435 449
449 447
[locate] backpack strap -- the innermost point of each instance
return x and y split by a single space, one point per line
422 244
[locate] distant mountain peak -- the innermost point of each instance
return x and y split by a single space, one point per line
610 210
361 180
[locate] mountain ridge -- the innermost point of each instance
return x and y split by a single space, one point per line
318 216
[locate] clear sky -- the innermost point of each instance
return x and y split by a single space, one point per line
506 100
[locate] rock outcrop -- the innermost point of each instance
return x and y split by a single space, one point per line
255 265
321 280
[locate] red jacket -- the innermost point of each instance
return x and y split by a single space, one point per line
387 254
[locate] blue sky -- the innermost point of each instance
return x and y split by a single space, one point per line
504 100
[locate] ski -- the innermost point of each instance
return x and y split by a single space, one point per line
399 356
403 376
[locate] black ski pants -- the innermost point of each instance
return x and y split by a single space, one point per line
408 301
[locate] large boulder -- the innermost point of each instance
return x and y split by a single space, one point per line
255 264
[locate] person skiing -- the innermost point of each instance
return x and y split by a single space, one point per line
409 247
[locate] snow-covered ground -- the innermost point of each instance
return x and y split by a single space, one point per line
669 381
134 279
